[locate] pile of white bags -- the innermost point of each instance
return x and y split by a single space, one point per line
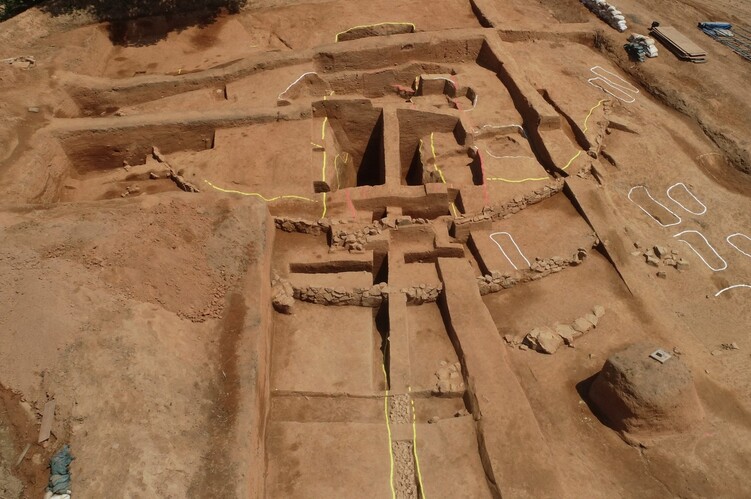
646 43
607 13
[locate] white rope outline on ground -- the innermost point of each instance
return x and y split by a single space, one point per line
699 254
657 202
690 194
736 247
279 97
732 287
626 85
614 87
625 88
515 245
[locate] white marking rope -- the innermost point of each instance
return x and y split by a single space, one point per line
724 263
628 98
279 97
624 87
656 202
704 210
736 247
732 287
515 245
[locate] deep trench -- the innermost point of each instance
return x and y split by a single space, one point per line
530 118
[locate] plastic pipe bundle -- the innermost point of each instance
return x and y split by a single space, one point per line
607 13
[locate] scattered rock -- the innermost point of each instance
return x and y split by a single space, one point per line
662 275
592 319
681 264
598 310
544 339
582 325
443 386
549 342
567 333
660 251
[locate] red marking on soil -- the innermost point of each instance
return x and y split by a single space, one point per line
350 205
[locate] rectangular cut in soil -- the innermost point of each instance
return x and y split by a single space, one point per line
272 159
489 255
345 280
327 460
550 228
402 275
449 459
429 345
507 418
320 349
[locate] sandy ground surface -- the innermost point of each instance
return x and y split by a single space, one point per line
145 163
126 319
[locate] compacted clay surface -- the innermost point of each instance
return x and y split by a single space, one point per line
374 249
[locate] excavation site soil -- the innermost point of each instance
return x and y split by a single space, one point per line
348 249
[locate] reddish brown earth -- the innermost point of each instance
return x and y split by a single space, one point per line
312 249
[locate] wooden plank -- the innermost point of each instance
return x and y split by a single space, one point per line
679 40
677 49
47 417
674 47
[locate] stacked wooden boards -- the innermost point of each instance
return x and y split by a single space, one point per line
678 44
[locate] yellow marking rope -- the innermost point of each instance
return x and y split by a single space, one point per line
570 162
323 169
388 429
453 207
454 210
590 113
414 445
501 179
336 39
268 200
435 162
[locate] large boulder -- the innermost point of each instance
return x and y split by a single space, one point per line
640 396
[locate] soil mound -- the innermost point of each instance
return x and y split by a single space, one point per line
640 396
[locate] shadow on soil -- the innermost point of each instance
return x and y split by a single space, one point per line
145 22
582 388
